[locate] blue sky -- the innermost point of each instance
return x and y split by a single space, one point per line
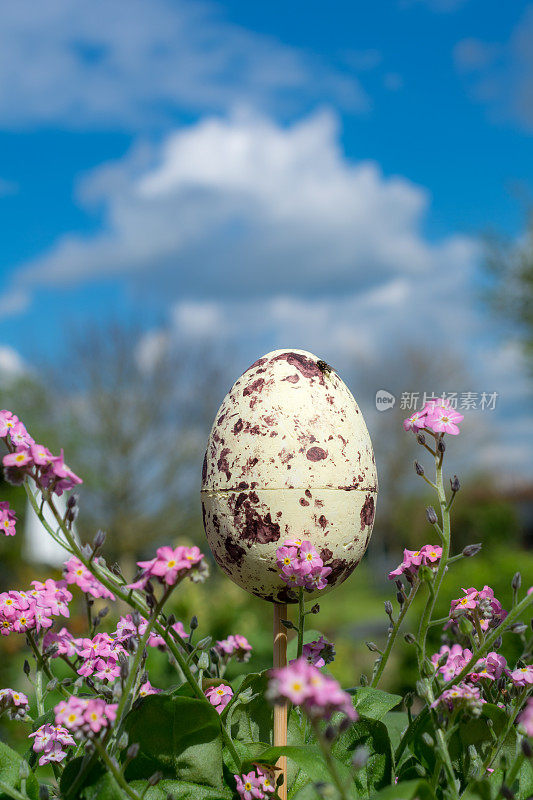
264 173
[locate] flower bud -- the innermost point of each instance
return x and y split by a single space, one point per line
399 585
471 550
193 623
99 539
420 438
154 779
122 741
360 757
24 770
132 751
171 620
465 626
330 733
497 643
454 484
441 447
388 608
409 638
516 582
26 667
315 609
419 469
363 680
431 515
203 661
86 551
518 627
51 685
203 644
427 739
372 647
116 570
526 748
400 598
409 699
288 624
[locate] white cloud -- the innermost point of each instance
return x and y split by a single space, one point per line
11 363
501 75
245 206
13 302
131 63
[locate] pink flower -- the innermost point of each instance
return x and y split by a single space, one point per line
451 659
219 696
7 520
63 641
415 421
413 559
309 555
492 667
7 423
318 653
478 605
443 419
462 695
50 741
526 718
85 717
19 436
41 455
147 689
285 556
301 565
235 645
169 565
20 458
249 786
76 572
304 685
15 703
523 676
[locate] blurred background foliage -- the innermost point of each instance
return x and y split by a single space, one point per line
133 414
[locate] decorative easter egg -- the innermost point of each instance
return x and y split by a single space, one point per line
288 456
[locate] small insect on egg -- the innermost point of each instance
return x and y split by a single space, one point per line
288 456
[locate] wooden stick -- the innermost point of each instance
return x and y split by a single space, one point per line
280 711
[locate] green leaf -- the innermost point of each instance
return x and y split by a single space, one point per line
373 703
396 723
70 786
410 790
180 736
10 773
105 789
373 735
307 792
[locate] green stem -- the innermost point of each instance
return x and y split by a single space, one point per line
301 622
330 761
501 739
115 772
126 697
382 662
442 745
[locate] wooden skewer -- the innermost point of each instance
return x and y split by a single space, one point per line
280 711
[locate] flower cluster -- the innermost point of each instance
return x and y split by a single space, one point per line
318 653
437 416
128 629
170 565
50 741
301 565
478 606
100 657
76 572
85 717
235 645
219 696
34 609
7 520
526 718
15 703
462 696
428 555
449 661
304 685
26 457
254 785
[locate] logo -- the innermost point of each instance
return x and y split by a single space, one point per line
384 400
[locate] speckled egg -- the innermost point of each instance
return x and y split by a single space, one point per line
288 455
